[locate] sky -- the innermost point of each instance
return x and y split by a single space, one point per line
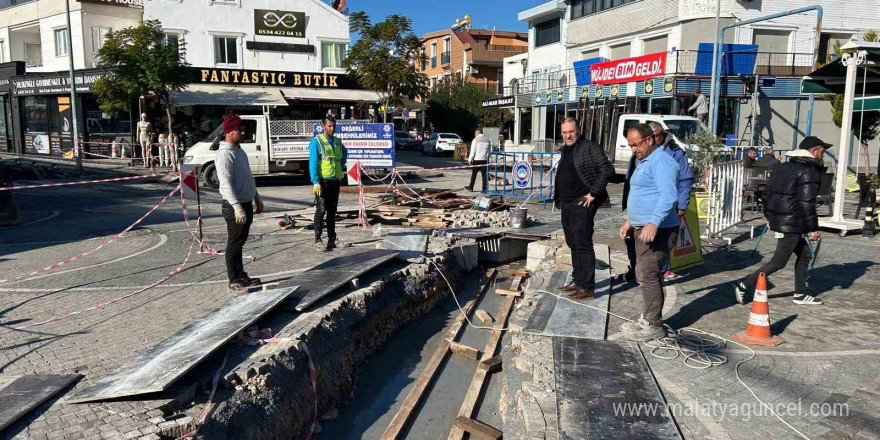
429 16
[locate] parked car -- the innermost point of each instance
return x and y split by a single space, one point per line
680 127
440 143
405 141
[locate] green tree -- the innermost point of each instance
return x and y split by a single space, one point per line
142 62
384 59
456 106
868 123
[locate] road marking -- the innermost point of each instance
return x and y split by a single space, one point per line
162 240
266 277
51 216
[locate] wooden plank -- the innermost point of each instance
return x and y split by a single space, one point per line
491 365
20 394
157 368
398 423
464 350
477 429
479 379
484 317
508 292
519 273
514 284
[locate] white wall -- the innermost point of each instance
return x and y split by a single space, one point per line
51 62
115 18
200 20
550 55
513 67
617 23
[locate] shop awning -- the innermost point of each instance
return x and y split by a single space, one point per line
830 78
313 94
217 94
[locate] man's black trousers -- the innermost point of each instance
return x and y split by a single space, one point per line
237 236
482 171
326 206
577 224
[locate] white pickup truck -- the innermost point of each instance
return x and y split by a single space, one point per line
680 127
272 146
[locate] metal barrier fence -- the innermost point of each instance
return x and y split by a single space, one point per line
725 184
524 175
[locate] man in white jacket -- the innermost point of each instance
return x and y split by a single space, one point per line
700 107
240 200
479 155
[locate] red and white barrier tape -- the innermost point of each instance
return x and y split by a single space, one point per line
204 249
314 376
82 182
101 246
101 305
209 405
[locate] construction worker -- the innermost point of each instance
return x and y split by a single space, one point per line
327 158
478 155
239 192
700 108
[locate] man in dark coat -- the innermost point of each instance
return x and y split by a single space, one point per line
790 208
579 189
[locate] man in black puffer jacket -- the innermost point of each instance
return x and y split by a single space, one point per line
790 208
579 189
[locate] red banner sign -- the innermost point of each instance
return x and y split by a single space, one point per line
629 69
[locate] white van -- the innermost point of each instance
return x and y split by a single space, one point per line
680 126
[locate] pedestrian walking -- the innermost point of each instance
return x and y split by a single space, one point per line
327 158
653 221
239 192
579 190
700 108
667 143
790 207
479 155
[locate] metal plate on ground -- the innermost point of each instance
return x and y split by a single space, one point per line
160 366
323 279
409 243
536 232
594 380
561 317
20 394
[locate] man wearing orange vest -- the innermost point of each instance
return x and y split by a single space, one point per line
327 158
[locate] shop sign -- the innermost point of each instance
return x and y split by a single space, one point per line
629 69
275 23
506 101
371 145
272 78
122 3
52 85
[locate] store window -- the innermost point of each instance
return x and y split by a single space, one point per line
61 42
525 125
2 51
35 112
582 8
99 35
225 51
547 32
332 55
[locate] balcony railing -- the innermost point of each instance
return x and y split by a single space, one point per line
494 53
34 62
444 58
434 62
692 62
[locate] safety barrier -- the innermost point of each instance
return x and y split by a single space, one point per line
724 208
522 174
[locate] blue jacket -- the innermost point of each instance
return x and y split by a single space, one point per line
315 160
652 196
685 174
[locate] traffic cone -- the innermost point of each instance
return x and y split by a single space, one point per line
758 328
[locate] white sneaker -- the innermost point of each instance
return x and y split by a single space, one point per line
807 300
632 326
739 290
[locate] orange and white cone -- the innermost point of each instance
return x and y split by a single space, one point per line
758 329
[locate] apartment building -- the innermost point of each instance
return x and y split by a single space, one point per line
475 54
34 78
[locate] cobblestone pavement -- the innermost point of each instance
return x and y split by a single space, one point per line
58 223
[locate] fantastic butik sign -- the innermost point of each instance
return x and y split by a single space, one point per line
629 69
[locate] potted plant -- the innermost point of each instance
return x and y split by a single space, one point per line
706 149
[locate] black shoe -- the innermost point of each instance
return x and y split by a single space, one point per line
250 282
628 277
469 188
237 285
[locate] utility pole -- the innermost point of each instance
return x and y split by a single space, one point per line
714 85
77 149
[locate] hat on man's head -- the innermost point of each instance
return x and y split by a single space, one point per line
231 123
812 141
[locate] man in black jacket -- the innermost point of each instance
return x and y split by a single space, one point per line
582 175
790 208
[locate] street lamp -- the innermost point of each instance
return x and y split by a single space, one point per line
77 150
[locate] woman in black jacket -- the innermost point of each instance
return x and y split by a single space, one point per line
790 208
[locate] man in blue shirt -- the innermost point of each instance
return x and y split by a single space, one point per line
327 158
653 219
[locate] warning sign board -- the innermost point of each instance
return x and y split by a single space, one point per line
188 181
354 173
687 252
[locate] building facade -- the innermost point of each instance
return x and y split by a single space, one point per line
474 54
